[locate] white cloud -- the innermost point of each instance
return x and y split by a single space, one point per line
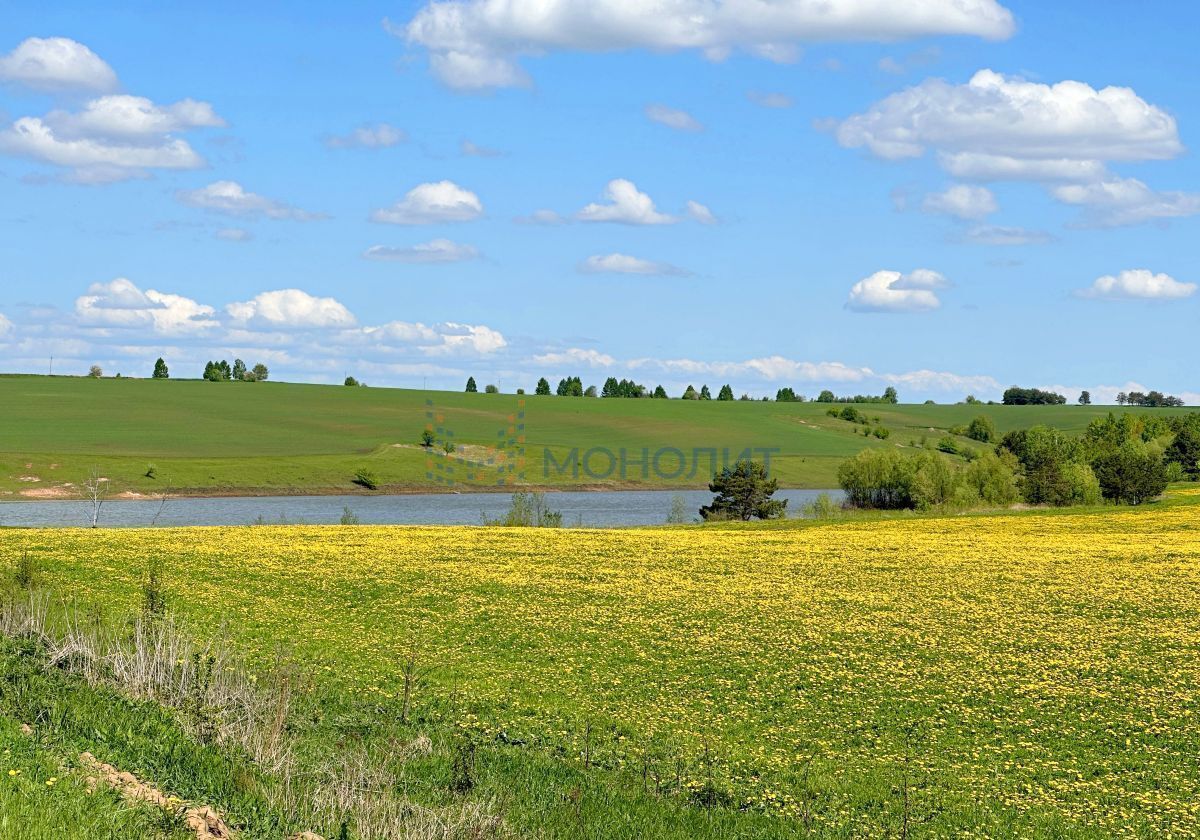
470 149
131 118
673 118
1008 117
1001 235
891 291
1126 201
477 43
541 217
627 205
625 264
964 201
233 199
933 380
32 137
435 251
56 64
975 166
1138 283
290 308
697 212
770 100
576 356
424 204
379 136
234 235
6 326
119 304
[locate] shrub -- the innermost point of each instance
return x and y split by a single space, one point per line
351 382
982 429
993 478
427 438
948 445
448 447
26 573
528 510
364 477
349 517
881 432
678 512
822 507
491 389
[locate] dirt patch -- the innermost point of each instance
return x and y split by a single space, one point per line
28 478
206 823
62 491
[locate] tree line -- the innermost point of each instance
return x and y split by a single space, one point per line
1124 460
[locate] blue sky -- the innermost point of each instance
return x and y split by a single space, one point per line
949 197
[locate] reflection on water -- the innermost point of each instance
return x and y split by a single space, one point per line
591 509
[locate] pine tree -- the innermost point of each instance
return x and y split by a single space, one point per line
471 387
543 388
160 370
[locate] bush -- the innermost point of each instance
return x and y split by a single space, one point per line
822 507
881 432
744 492
491 389
427 438
982 429
948 445
351 382
349 517
363 477
528 510
993 478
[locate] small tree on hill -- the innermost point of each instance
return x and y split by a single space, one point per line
982 429
543 388
691 394
744 492
95 372
705 394
1085 398
239 370
351 382
160 370
471 387
726 394
890 395
259 373
491 389
1185 451
660 393
826 396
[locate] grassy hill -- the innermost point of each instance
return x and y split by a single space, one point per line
204 437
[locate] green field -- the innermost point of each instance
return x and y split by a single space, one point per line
276 438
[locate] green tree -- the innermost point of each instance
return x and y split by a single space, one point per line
543 388
786 394
726 394
890 395
590 392
239 370
427 438
351 382
826 397
259 373
1185 451
691 394
95 372
1085 398
160 370
660 393
705 394
491 389
471 387
744 492
982 429
1130 475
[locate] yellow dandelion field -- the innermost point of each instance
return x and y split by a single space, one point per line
1013 668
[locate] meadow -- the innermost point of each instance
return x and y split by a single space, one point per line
278 438
1030 674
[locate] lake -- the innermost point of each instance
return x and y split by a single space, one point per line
604 509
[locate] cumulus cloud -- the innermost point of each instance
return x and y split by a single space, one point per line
120 304
891 291
115 160
576 356
925 381
1126 201
626 205
1139 284
476 44
426 204
53 64
132 117
435 251
964 201
1007 117
231 198
770 100
673 118
625 264
379 136
290 308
